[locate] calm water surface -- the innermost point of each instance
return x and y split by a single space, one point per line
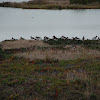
18 23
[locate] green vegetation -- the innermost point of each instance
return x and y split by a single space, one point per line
83 1
60 43
26 79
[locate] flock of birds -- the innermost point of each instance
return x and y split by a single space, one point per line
55 38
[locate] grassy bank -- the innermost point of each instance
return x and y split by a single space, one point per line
51 4
61 7
23 78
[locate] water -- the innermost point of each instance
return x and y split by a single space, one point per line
24 23
13 0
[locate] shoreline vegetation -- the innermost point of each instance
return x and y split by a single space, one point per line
54 4
61 41
63 44
50 69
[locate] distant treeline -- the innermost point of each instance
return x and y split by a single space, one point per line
83 1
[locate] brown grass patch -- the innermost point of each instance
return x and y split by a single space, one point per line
50 52
22 44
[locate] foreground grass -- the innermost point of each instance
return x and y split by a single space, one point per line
24 79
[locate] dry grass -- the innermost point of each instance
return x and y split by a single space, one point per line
22 44
79 52
68 53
